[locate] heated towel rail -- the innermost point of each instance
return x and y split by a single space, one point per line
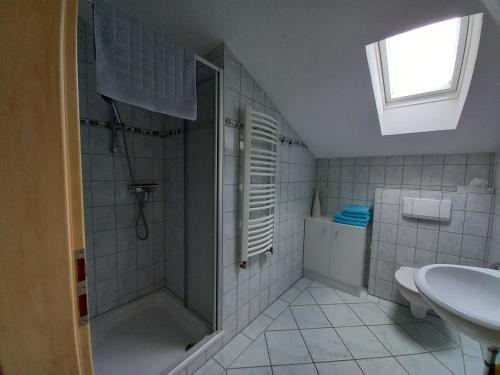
259 184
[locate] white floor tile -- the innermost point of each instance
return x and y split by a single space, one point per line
419 364
232 350
210 368
474 366
325 296
429 337
309 317
339 368
444 327
396 340
398 313
361 342
370 313
307 369
302 283
317 284
470 347
452 359
325 345
287 348
283 322
254 356
290 294
341 315
350 298
381 366
276 308
250 371
255 328
304 298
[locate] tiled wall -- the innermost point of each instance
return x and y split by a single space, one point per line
399 241
346 180
247 292
121 267
494 246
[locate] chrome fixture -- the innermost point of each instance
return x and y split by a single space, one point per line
140 191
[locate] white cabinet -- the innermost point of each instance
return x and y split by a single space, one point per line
335 254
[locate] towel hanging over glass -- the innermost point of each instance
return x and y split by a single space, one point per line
142 67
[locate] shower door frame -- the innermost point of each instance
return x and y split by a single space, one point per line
219 205
217 189
218 192
217 333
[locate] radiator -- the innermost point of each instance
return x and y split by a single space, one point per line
259 184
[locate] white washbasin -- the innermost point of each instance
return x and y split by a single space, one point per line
467 297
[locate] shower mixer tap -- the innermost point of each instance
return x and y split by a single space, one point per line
141 192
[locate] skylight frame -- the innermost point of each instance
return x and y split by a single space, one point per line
428 96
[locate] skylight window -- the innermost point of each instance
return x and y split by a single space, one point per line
421 78
424 61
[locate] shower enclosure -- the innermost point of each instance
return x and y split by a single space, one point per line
152 220
200 195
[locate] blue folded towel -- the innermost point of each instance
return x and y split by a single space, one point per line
356 216
356 209
356 224
342 217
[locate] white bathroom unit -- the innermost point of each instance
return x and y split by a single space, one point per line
335 254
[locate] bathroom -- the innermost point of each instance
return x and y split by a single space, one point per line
214 237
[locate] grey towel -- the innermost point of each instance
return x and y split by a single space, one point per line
139 66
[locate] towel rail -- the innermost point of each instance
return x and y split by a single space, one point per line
253 209
261 224
264 152
260 197
259 184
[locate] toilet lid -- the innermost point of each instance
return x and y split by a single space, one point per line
405 277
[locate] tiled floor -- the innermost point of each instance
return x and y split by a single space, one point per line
313 329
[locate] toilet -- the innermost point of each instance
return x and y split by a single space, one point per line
408 289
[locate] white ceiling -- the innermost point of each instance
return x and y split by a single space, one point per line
309 57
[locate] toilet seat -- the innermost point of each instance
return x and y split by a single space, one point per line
405 278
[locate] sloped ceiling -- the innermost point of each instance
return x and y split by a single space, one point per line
309 57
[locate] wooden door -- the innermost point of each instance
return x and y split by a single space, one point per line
41 209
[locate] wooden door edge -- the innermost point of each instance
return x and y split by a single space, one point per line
74 168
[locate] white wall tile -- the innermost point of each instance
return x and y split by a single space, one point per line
427 239
450 243
454 175
478 202
476 223
473 247
432 175
407 236
389 213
